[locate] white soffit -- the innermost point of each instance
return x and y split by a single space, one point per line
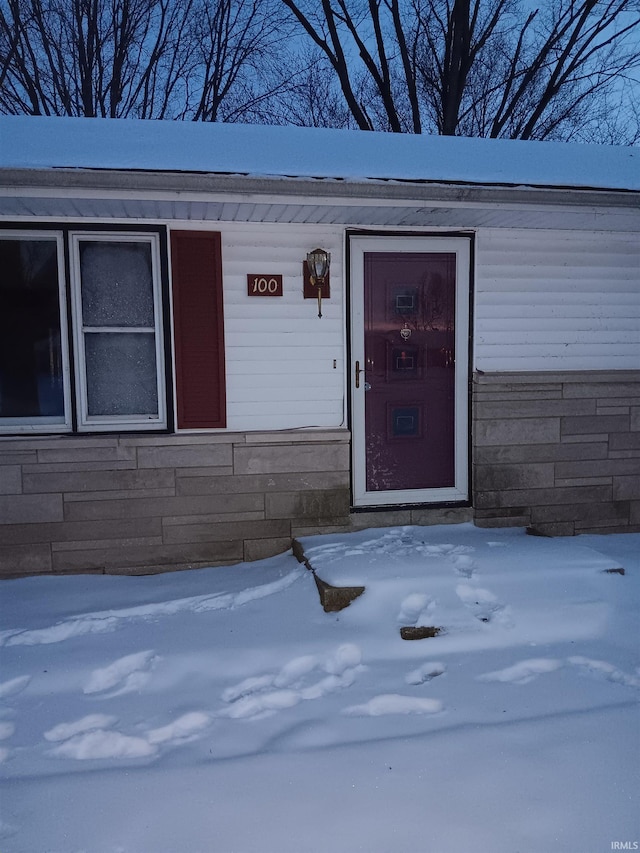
45 204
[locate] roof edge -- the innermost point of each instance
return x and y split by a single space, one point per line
160 181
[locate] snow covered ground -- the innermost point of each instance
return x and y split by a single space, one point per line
222 711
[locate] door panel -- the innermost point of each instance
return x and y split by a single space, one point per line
409 339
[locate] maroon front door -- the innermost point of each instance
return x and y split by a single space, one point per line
409 336
409 354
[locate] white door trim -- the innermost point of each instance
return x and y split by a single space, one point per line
461 246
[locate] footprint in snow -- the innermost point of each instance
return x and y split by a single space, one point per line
125 675
484 605
394 703
602 669
263 695
463 564
427 672
416 609
93 738
6 730
14 686
523 672
527 670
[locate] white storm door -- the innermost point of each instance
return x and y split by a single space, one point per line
409 369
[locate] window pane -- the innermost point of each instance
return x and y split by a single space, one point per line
117 283
31 380
121 374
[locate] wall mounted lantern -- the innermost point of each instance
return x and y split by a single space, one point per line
318 263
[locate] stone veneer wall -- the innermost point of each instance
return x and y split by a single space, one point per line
137 504
557 452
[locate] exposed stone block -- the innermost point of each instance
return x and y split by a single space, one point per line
517 431
291 458
309 529
626 488
24 559
503 521
10 479
107 452
308 436
213 518
56 442
499 477
419 632
180 440
190 533
260 549
620 401
534 408
84 467
624 441
605 531
80 481
505 512
597 468
441 515
30 509
118 494
87 531
587 438
198 455
177 506
381 518
84 544
543 497
612 410
288 482
583 481
600 390
8 457
304 505
526 453
145 559
587 515
597 424
485 394
554 528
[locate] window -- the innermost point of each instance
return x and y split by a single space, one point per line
34 370
116 310
116 340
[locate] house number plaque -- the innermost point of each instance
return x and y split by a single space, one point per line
261 284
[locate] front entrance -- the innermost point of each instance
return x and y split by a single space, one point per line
409 369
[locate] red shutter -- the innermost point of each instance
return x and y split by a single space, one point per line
196 270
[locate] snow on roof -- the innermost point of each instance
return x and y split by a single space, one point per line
43 142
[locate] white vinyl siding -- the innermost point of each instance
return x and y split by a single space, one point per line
279 354
556 300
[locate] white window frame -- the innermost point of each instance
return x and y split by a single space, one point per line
44 423
94 423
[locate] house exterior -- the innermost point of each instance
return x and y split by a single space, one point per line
170 398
